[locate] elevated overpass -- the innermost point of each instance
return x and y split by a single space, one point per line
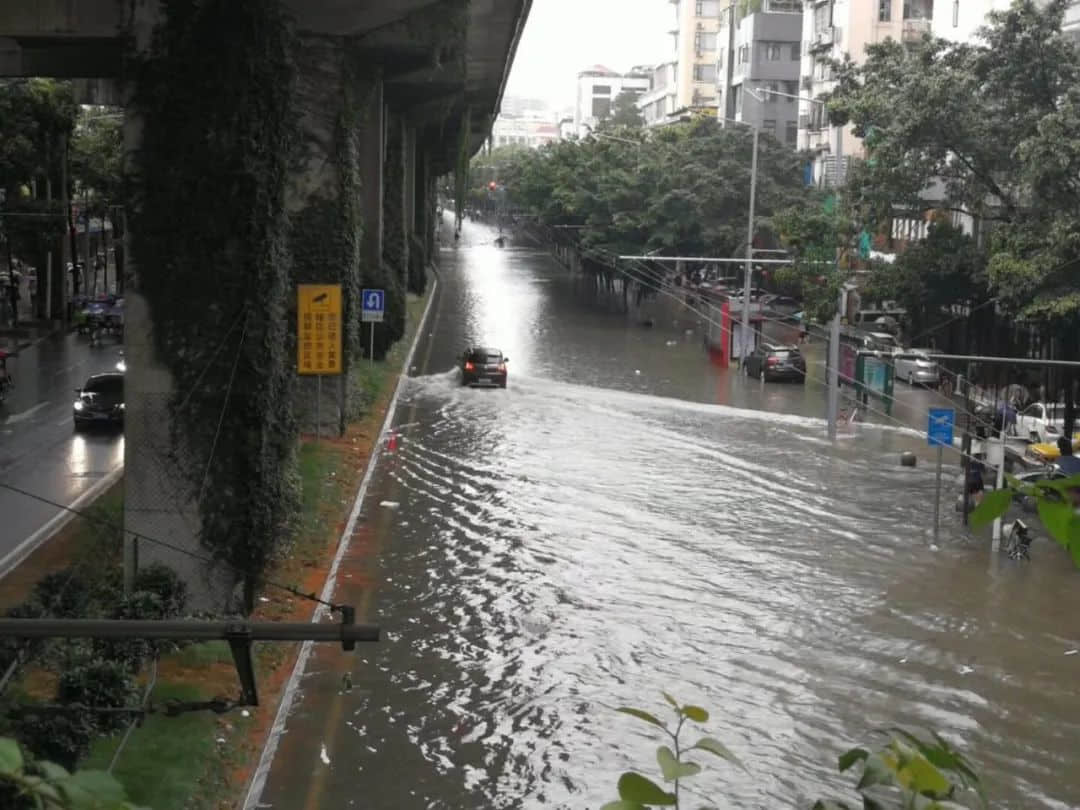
372 100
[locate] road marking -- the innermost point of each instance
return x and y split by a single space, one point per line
65 370
288 696
58 521
24 415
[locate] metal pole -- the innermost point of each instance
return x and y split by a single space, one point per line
181 629
965 445
749 256
1000 484
833 374
371 348
937 494
318 405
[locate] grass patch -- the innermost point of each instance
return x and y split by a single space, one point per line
199 655
168 762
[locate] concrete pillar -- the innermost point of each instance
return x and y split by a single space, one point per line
159 500
323 202
372 147
395 248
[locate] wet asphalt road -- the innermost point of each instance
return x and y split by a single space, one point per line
39 449
626 519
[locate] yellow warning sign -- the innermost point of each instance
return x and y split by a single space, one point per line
318 328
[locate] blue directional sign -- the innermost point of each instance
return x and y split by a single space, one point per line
939 428
372 305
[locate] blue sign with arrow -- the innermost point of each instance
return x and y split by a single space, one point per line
939 428
372 306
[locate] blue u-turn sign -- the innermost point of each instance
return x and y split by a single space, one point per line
939 428
372 305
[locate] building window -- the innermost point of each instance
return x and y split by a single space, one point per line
792 89
707 8
769 125
601 107
744 54
737 90
601 89
704 72
769 52
884 10
822 17
918 9
791 134
796 54
704 41
720 59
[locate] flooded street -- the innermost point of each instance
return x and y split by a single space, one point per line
625 519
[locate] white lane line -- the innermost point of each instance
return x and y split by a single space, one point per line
288 695
22 416
58 521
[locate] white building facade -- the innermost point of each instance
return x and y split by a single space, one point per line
597 89
696 47
658 104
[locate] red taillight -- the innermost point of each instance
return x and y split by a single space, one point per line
469 366
773 361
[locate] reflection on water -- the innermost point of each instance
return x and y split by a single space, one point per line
577 542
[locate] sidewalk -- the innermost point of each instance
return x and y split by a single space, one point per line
25 335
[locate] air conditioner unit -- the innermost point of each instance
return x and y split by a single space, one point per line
825 36
806 82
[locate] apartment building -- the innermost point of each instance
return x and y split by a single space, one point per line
696 41
659 103
528 130
597 89
760 50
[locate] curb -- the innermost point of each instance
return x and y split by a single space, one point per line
18 555
266 758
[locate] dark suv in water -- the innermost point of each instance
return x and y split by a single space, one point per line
769 362
484 367
100 401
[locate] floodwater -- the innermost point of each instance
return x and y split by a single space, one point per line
626 519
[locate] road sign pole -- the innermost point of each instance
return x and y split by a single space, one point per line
371 348
1000 484
937 494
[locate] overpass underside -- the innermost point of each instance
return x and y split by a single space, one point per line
269 143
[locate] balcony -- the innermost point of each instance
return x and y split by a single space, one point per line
914 30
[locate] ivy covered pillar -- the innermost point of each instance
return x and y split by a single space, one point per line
324 205
210 447
395 235
370 132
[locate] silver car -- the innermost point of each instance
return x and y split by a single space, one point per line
916 367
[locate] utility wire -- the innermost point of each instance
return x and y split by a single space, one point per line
224 409
139 536
135 720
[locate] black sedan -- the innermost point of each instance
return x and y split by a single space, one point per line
769 362
484 367
100 401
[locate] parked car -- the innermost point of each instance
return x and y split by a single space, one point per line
100 401
482 366
915 366
1048 452
1041 422
783 306
771 362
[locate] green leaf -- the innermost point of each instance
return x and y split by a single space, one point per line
876 772
634 787
919 775
850 757
674 703
622 804
994 505
696 713
829 804
92 789
52 771
11 758
672 768
641 715
716 747
1057 517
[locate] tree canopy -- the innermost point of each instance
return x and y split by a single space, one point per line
624 113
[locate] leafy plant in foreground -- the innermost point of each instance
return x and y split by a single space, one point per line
637 792
1055 502
911 773
28 783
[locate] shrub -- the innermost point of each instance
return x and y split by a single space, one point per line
166 584
63 594
99 683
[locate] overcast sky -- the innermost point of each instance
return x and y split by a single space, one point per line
563 37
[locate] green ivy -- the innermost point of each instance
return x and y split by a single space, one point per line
210 239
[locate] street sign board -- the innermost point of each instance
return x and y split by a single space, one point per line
372 306
318 328
939 428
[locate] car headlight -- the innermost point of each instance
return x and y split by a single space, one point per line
1051 429
79 405
120 406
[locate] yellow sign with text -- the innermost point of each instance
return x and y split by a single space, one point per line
318 328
